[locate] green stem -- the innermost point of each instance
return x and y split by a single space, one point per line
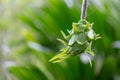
84 9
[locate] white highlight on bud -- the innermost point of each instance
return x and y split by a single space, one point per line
90 34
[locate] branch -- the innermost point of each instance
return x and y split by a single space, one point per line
84 9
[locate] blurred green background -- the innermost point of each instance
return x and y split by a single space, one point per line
28 32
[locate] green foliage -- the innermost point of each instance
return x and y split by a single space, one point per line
41 69
43 26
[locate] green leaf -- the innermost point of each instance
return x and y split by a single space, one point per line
60 57
72 39
65 36
75 29
62 41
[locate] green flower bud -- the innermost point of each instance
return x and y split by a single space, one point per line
79 41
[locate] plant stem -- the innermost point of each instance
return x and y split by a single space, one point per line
84 9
